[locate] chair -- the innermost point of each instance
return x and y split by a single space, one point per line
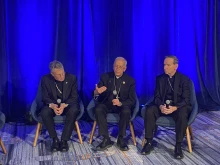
37 104
111 118
167 121
2 123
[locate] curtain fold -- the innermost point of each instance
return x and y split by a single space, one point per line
87 35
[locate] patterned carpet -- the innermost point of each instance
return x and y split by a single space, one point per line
18 140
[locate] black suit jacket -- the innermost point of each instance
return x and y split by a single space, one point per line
49 91
181 90
127 92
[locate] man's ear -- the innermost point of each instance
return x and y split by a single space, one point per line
176 66
125 68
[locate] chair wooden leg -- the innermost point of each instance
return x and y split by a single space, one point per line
39 125
40 129
78 132
188 139
143 142
191 132
132 132
92 132
2 146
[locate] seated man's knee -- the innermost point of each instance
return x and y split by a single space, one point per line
182 113
99 108
46 112
126 111
150 110
73 111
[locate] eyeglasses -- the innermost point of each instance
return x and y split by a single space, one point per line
59 74
118 67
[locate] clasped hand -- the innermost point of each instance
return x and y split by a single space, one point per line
58 111
167 111
116 102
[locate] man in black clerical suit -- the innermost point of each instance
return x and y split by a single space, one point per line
60 97
174 88
115 93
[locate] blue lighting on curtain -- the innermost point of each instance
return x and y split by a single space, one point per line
86 36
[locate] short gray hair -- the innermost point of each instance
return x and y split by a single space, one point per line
55 65
121 58
175 59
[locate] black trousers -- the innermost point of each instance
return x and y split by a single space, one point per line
180 116
70 112
101 111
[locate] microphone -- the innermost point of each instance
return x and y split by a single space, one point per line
58 102
114 94
168 103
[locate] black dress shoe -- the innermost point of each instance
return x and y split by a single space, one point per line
55 145
122 145
178 153
64 146
147 149
106 143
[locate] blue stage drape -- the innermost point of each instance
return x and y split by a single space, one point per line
87 35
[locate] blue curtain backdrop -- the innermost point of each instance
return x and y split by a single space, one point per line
87 35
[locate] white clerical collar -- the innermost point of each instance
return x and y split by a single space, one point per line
118 76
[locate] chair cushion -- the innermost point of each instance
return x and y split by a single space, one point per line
113 118
165 121
57 119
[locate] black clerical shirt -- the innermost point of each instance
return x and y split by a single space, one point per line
117 87
59 87
170 88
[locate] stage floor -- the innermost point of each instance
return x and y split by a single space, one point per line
18 139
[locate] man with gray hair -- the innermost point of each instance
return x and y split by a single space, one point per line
115 93
171 97
60 97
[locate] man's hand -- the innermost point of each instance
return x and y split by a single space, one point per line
116 102
63 105
162 108
98 90
169 110
55 108
58 111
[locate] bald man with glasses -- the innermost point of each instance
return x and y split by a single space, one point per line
115 93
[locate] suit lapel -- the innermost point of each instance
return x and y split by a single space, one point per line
65 87
165 87
53 87
123 83
176 86
110 85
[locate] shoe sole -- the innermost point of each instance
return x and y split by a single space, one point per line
54 150
102 149
148 152
178 158
64 150
118 146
